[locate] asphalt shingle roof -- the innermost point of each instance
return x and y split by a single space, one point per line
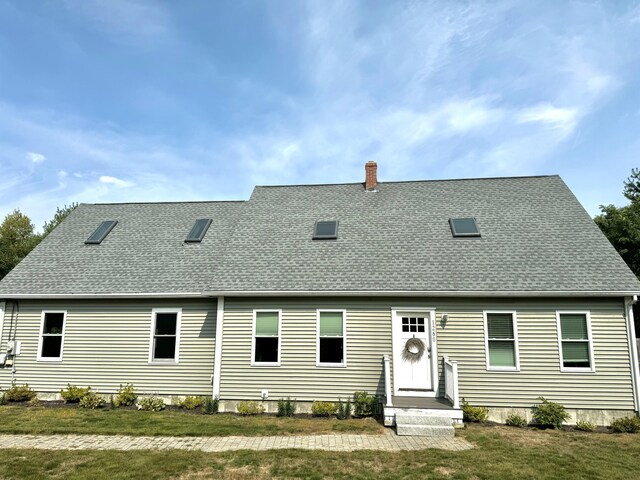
536 237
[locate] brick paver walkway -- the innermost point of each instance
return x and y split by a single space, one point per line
388 441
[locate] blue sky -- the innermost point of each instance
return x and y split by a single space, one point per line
134 100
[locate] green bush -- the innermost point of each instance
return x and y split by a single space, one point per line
19 393
3 399
515 420
286 407
191 403
152 403
474 414
549 414
35 402
126 396
626 425
73 394
323 409
344 409
585 426
364 405
92 400
210 405
250 408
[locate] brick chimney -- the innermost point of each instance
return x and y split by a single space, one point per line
371 179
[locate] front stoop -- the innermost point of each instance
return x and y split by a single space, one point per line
425 425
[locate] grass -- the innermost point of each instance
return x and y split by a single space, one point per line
19 419
501 453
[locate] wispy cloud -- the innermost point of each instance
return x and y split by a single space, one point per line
115 181
123 19
562 118
34 157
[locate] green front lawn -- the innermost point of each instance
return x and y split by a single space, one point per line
19 419
501 453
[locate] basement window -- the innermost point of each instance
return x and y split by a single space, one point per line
325 230
101 232
198 231
266 338
464 227
165 335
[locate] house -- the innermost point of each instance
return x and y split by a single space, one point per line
496 290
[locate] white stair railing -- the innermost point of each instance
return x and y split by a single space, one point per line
451 381
387 380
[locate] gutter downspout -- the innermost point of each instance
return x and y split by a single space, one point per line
217 366
633 350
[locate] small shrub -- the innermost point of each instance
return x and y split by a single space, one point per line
3 399
626 425
210 405
323 409
286 407
549 414
344 409
35 402
585 426
515 420
250 408
474 414
19 393
126 396
152 403
92 400
191 403
73 394
364 405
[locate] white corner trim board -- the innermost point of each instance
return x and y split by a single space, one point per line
217 366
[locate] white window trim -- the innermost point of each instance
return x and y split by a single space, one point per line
176 359
39 356
587 313
253 338
514 320
344 338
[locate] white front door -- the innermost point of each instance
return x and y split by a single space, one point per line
413 352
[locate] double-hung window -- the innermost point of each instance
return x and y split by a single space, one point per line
576 348
266 338
501 341
165 335
51 336
331 341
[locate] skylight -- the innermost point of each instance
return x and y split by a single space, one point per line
325 230
198 231
464 227
101 232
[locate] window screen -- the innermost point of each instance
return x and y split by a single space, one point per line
165 336
266 337
51 342
501 340
464 227
575 340
198 231
101 232
325 230
331 338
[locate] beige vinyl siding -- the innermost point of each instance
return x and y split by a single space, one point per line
368 337
610 386
462 339
106 343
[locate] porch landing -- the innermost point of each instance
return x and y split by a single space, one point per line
411 408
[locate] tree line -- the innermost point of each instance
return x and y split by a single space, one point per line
18 236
